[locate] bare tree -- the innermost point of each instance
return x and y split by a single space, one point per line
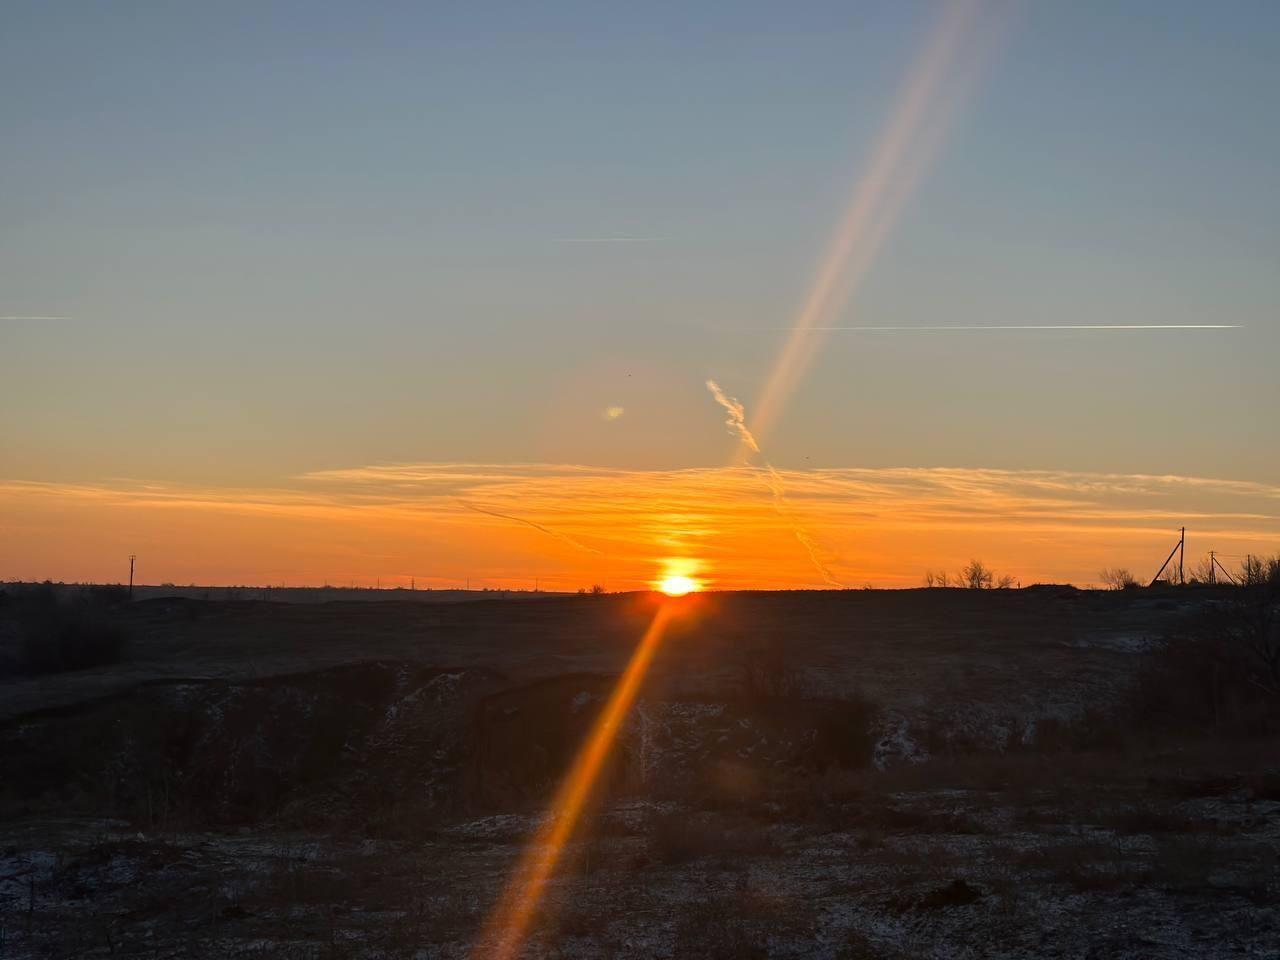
1259 571
1203 571
975 575
1118 578
940 579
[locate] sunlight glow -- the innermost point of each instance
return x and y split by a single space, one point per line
677 586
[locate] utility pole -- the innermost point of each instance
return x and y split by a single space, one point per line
132 557
1227 573
1178 550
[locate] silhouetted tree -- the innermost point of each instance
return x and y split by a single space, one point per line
1118 578
1203 572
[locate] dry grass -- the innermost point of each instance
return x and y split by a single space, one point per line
677 837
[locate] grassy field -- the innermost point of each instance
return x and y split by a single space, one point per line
931 773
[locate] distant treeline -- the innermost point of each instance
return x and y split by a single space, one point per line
274 593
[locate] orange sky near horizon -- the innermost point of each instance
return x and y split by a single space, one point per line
572 526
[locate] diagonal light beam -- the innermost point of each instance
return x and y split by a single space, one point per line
898 160
510 920
929 96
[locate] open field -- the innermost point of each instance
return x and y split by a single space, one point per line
932 773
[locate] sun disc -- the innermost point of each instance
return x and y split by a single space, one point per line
677 586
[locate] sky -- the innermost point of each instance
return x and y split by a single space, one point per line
318 280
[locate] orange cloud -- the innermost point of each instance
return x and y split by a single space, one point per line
573 525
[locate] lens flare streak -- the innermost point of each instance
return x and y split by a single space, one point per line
897 161
510 921
928 98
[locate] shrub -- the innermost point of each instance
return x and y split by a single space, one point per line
1118 578
844 733
976 575
1220 671
69 638
107 594
765 672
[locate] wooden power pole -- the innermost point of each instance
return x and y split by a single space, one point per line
1178 550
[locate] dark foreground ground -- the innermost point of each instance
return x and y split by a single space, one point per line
1034 773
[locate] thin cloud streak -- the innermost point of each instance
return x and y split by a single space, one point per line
950 328
886 525
530 523
607 239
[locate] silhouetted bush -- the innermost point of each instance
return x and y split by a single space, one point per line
73 637
844 733
1118 578
766 673
107 594
975 575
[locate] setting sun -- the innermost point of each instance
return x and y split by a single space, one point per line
677 586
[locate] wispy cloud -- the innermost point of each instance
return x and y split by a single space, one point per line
737 417
883 526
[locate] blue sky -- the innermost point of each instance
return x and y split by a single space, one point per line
294 237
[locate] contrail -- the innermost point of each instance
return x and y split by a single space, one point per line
784 510
529 523
737 424
737 420
35 318
946 328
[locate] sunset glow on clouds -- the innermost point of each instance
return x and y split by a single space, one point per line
571 526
